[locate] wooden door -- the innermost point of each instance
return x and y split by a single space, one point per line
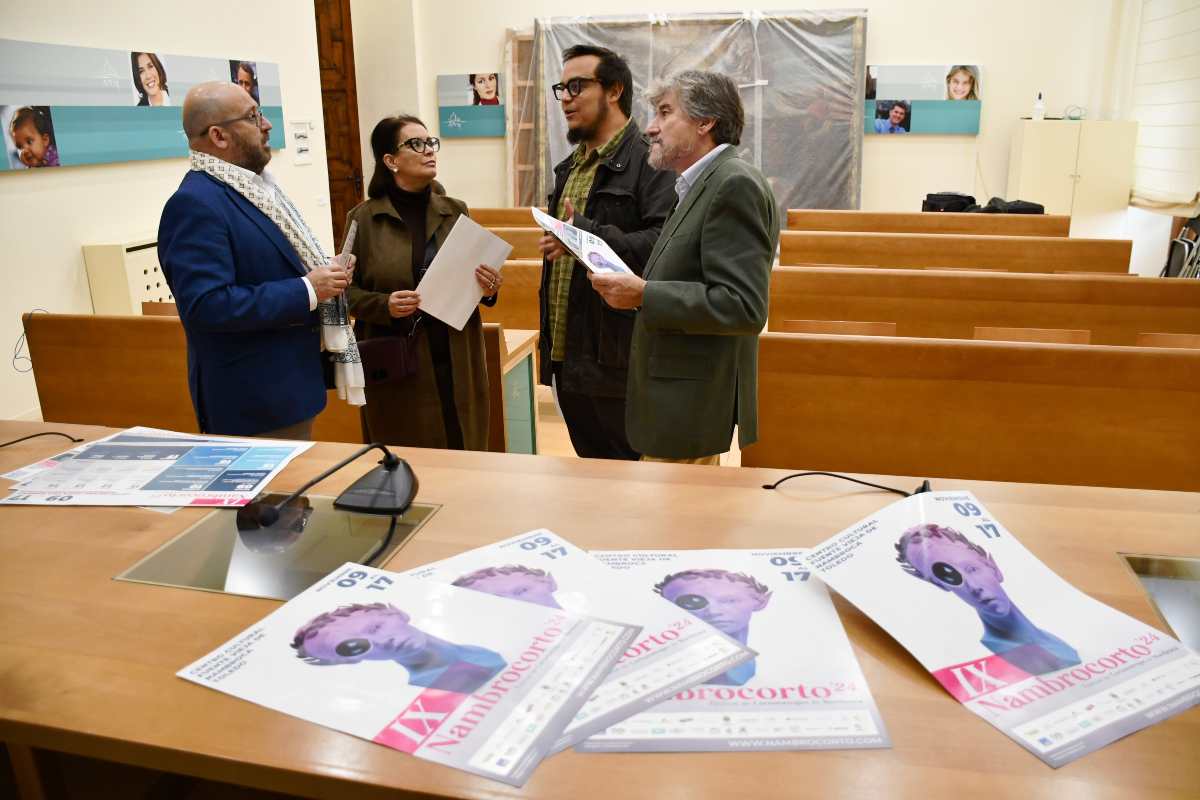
339 102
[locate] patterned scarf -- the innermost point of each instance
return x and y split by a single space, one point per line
336 335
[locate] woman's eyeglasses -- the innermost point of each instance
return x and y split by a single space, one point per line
422 145
572 87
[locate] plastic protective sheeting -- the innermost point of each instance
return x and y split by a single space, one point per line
800 73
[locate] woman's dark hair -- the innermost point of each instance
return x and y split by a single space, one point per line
475 94
611 70
385 139
143 98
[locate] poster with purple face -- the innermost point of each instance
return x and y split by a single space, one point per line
804 689
677 650
1058 672
476 682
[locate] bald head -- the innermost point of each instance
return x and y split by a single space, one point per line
220 119
209 103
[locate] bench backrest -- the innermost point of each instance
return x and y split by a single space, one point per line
517 305
524 240
520 216
803 219
924 250
997 411
125 371
948 305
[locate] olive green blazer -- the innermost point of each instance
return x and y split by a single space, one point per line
693 362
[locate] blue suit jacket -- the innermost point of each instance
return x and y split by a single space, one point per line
254 361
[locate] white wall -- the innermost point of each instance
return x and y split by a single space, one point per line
1024 46
385 63
47 215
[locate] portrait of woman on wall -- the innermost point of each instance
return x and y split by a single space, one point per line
149 79
962 82
485 88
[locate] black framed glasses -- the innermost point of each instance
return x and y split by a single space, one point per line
255 118
421 145
571 88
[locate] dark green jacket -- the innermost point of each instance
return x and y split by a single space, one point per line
693 362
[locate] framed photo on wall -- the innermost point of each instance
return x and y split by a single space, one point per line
905 98
470 105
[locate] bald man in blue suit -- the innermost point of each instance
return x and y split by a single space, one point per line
246 300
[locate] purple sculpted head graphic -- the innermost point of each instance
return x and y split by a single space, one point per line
513 581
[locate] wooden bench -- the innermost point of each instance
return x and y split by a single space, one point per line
1043 335
132 370
841 327
524 240
520 217
803 219
921 250
948 305
517 305
1186 340
937 408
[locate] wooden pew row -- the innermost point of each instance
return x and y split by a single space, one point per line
517 305
516 309
918 250
1036 413
518 217
803 219
523 239
136 374
948 305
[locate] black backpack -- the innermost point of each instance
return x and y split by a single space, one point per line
998 205
947 201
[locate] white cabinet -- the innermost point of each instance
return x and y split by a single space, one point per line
124 275
1083 168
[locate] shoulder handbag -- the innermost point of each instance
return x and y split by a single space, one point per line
389 359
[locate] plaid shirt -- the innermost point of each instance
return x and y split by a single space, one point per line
577 189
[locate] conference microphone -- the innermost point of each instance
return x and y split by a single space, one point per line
388 490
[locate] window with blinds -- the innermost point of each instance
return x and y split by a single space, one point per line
1166 105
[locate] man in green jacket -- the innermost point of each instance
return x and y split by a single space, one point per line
702 298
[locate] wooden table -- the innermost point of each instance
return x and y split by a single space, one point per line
87 663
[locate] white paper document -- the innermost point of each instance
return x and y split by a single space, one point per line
589 249
675 651
148 467
475 682
449 290
804 690
1058 672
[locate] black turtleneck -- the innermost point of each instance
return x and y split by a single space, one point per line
412 208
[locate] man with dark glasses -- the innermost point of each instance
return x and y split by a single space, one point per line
606 188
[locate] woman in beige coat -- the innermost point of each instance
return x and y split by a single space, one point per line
400 228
